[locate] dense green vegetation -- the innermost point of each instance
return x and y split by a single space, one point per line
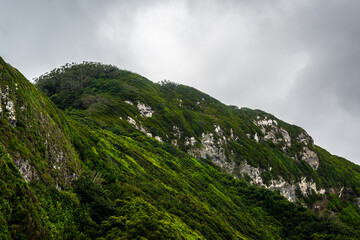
130 186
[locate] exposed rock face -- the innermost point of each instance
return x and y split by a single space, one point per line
180 101
304 138
213 146
26 170
57 152
138 127
132 122
310 157
273 132
341 192
222 141
232 137
9 105
218 130
145 111
285 188
142 129
226 166
158 139
174 142
177 136
212 149
286 137
208 149
256 137
58 157
47 140
253 172
307 187
190 141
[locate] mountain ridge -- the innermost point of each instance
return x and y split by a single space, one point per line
204 135
151 160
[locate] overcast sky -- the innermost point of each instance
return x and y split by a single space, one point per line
298 59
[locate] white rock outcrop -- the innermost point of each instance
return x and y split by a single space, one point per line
180 102
304 138
256 138
9 105
174 142
26 170
177 132
158 138
285 188
271 131
132 122
209 149
232 134
310 157
253 172
138 127
142 129
190 141
145 111
306 187
218 130
177 136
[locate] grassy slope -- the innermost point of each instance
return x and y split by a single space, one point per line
133 186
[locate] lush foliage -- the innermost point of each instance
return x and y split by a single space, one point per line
130 186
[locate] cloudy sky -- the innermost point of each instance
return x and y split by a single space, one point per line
298 59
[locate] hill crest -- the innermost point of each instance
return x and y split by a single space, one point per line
118 162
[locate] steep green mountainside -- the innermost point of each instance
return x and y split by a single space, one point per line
244 142
34 146
141 160
35 133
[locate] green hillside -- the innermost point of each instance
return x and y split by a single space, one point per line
126 158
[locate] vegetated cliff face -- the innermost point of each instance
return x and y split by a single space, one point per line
213 144
269 131
245 143
34 132
35 148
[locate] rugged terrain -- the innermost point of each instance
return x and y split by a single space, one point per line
93 151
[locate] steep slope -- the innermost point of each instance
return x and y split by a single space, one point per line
126 171
34 132
246 143
34 146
